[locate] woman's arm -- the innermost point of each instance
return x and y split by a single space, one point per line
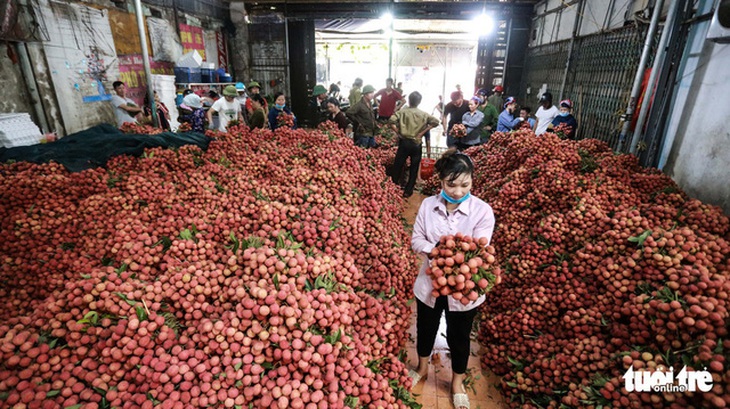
419 240
485 224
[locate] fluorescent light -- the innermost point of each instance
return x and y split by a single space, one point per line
386 18
483 24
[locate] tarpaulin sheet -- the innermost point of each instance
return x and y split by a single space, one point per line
95 146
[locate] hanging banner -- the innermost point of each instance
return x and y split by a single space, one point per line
192 39
222 51
131 72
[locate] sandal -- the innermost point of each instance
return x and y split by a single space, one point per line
461 400
415 377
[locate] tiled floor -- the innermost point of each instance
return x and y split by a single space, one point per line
435 391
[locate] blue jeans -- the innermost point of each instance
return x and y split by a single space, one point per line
365 141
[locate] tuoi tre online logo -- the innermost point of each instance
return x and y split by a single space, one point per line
662 381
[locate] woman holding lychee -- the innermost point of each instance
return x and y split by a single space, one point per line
452 211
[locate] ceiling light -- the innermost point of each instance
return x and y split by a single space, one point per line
483 24
386 18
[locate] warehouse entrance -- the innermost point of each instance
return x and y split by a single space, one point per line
433 57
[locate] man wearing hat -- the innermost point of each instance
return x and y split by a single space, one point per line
319 104
363 116
565 117
545 114
254 88
496 98
491 115
228 109
507 121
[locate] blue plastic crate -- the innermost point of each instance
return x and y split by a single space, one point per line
208 75
184 75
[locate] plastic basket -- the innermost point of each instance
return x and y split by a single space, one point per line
185 75
427 168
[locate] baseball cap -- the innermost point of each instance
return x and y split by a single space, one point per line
546 97
566 103
240 86
509 101
319 90
498 88
483 92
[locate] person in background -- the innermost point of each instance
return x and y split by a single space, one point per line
507 121
362 116
278 108
439 107
254 88
257 120
411 124
125 110
355 92
337 116
319 104
453 210
545 113
491 115
163 114
241 98
390 100
334 91
565 117
497 99
183 110
455 111
458 89
196 117
472 120
399 88
525 114
211 96
228 109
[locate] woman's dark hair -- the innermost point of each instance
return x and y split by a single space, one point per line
257 98
187 92
452 164
212 94
278 94
334 102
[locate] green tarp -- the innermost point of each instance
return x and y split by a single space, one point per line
95 146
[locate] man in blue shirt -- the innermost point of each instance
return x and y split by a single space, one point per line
507 121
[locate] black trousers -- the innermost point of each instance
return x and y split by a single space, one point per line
458 329
407 148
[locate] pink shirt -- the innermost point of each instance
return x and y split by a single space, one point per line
474 218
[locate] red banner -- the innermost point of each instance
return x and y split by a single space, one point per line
131 72
222 51
192 39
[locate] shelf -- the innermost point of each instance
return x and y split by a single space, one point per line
198 84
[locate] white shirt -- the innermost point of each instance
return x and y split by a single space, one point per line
227 111
473 217
544 118
122 115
